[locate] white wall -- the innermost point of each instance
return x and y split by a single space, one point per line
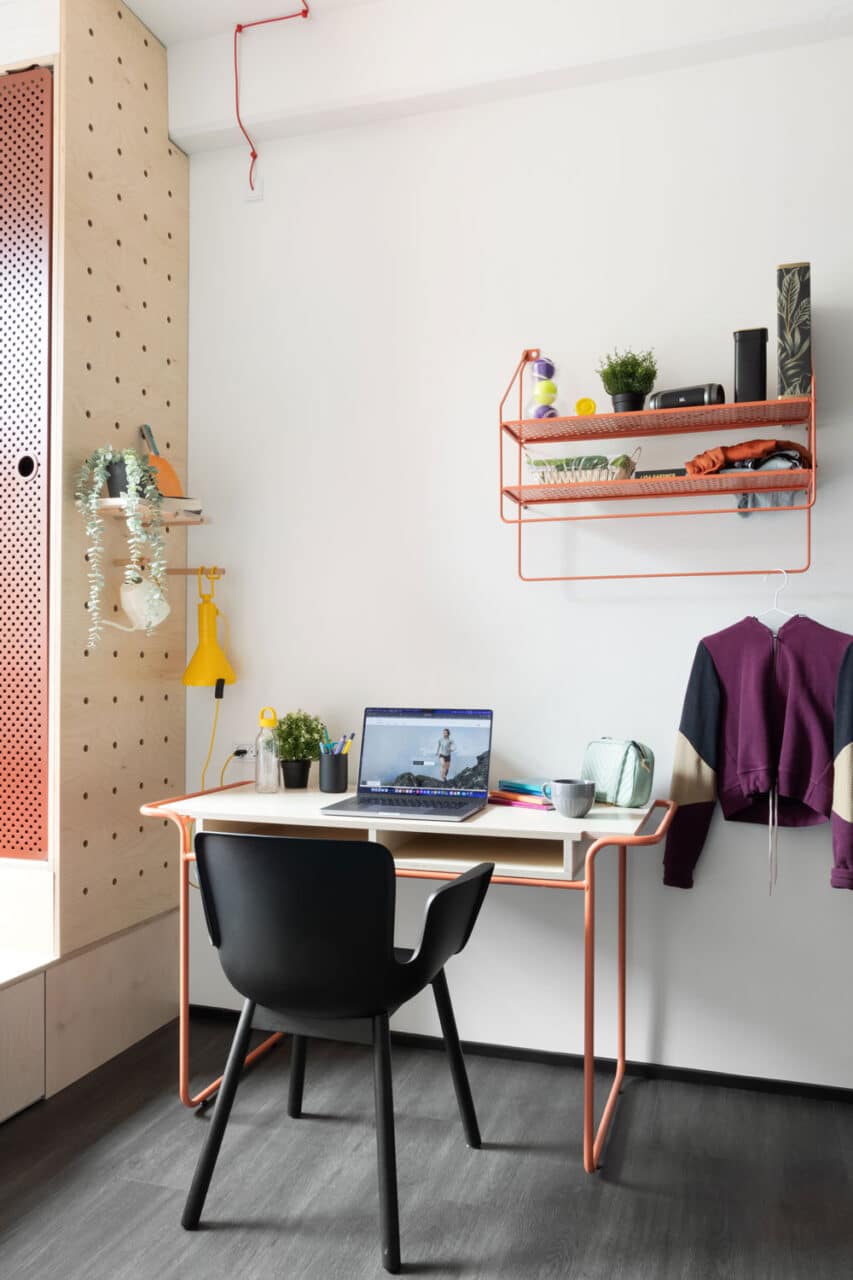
364 60
350 338
28 29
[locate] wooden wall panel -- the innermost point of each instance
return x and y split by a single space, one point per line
104 999
21 1045
124 362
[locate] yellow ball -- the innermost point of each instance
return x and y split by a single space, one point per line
545 392
585 406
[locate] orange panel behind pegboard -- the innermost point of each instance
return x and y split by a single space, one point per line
26 110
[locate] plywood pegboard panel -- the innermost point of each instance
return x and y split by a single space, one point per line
124 362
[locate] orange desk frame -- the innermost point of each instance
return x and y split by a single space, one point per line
593 1139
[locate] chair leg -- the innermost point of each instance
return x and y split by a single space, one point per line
389 1217
457 1062
221 1112
298 1047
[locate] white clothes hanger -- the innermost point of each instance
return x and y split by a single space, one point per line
782 615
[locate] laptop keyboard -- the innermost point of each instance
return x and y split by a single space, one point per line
421 802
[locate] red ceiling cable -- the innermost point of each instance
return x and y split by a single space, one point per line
238 30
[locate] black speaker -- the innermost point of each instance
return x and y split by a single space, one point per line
750 364
679 397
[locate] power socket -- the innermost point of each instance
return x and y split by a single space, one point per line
247 750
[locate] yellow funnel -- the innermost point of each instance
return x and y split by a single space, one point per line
209 663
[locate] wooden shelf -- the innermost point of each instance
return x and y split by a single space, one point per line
173 516
672 487
794 411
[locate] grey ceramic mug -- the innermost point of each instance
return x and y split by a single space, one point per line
572 797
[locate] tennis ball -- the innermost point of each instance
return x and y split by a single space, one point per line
544 411
543 368
545 392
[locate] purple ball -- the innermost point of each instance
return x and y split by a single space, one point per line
545 411
543 368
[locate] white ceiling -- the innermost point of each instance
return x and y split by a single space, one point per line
171 21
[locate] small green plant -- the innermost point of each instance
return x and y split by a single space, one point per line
298 736
141 488
624 372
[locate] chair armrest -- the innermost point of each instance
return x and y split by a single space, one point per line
450 916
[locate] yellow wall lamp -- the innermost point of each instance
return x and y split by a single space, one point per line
209 667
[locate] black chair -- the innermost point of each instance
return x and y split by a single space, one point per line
305 932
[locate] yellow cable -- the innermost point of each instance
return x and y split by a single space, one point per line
224 767
212 740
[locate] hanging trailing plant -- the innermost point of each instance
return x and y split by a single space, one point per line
143 511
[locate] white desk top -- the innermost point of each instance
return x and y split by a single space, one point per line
305 808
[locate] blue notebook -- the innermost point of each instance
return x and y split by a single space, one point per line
525 786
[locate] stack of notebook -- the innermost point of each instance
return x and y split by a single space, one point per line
523 793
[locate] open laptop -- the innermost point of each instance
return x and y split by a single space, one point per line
421 764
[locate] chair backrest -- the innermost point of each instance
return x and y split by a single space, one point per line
302 926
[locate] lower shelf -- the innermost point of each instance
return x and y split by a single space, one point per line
725 482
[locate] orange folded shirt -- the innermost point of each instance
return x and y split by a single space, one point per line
705 464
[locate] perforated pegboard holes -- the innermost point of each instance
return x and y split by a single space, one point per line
25 217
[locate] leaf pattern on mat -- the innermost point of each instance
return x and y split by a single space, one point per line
794 343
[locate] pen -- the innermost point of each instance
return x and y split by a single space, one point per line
348 743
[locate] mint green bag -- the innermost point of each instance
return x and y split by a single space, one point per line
622 770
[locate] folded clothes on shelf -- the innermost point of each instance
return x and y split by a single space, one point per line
747 451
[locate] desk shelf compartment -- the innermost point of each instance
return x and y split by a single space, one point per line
570 502
546 858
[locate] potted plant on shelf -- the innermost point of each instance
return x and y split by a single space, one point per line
628 377
298 737
128 474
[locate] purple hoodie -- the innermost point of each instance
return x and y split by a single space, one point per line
767 728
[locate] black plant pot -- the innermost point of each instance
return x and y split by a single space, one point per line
295 772
116 479
628 402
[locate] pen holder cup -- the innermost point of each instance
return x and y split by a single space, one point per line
334 773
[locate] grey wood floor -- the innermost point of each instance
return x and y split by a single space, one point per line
699 1182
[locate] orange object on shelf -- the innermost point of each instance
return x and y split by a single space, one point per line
167 477
790 411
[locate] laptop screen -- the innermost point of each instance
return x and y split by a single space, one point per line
427 753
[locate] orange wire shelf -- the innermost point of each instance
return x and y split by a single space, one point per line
563 502
746 416
662 487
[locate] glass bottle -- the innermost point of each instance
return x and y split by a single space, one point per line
266 753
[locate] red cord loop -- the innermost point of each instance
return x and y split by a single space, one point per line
238 30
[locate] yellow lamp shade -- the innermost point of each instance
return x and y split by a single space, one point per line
209 663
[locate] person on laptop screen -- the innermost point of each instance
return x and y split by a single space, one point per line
446 746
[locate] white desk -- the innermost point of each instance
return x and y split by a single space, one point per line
528 848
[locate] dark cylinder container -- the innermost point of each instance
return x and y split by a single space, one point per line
333 773
750 364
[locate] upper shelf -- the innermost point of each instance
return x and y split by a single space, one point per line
792 411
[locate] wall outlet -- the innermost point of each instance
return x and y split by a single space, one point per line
248 748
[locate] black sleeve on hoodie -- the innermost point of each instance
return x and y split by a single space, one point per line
694 772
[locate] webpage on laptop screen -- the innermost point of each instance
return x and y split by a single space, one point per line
426 753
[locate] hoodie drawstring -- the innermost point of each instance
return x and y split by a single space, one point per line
772 838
